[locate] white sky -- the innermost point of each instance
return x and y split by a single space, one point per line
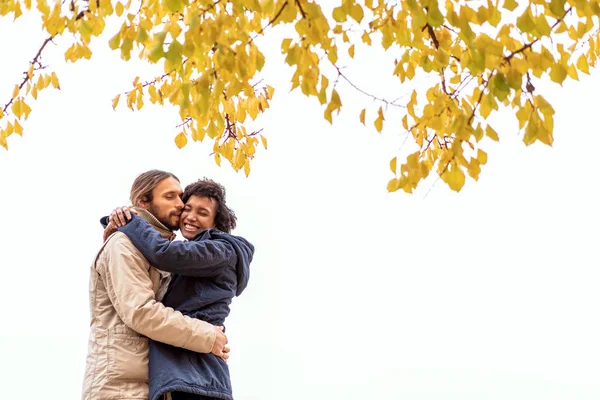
355 293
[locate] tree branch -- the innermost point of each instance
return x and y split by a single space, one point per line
528 45
300 8
480 98
27 77
271 22
344 77
434 38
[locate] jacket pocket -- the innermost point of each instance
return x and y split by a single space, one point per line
127 355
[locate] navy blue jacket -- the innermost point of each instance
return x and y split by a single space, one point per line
207 273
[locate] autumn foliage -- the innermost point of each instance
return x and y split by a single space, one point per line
484 55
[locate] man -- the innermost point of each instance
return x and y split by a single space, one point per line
125 293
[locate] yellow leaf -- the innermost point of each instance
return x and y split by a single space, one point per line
270 92
357 13
454 178
264 141
558 73
198 135
582 64
285 45
543 105
491 133
366 38
339 14
379 121
218 159
115 101
17 10
481 156
15 92
17 109
334 104
9 129
525 22
115 41
572 72
362 116
393 164
18 129
181 140
54 80
393 185
247 167
26 109
510 5
351 51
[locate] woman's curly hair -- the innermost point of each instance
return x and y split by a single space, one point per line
225 219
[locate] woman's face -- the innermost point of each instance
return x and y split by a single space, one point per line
198 215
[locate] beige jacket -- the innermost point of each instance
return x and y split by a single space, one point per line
125 311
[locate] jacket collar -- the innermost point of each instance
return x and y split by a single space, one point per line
152 220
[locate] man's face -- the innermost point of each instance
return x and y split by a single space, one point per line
198 214
166 204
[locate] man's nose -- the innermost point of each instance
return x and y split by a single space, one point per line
180 204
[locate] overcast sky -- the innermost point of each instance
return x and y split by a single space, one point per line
355 293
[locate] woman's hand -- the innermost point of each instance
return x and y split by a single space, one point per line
118 217
121 215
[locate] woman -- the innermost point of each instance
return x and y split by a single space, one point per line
209 269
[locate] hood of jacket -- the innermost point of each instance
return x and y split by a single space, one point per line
244 251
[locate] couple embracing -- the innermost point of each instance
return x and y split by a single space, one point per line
158 305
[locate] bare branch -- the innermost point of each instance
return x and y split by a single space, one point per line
256 132
300 8
344 77
186 122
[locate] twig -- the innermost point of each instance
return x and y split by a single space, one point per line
210 7
450 29
341 75
185 122
463 83
434 38
271 22
158 78
528 45
429 142
27 77
479 99
300 8
256 132
257 83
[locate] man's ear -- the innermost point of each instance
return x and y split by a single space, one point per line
143 202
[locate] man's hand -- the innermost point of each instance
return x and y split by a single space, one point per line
220 348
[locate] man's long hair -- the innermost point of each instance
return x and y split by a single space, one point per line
145 183
225 219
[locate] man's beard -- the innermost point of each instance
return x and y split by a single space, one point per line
165 221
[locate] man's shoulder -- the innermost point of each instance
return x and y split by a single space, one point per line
119 241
